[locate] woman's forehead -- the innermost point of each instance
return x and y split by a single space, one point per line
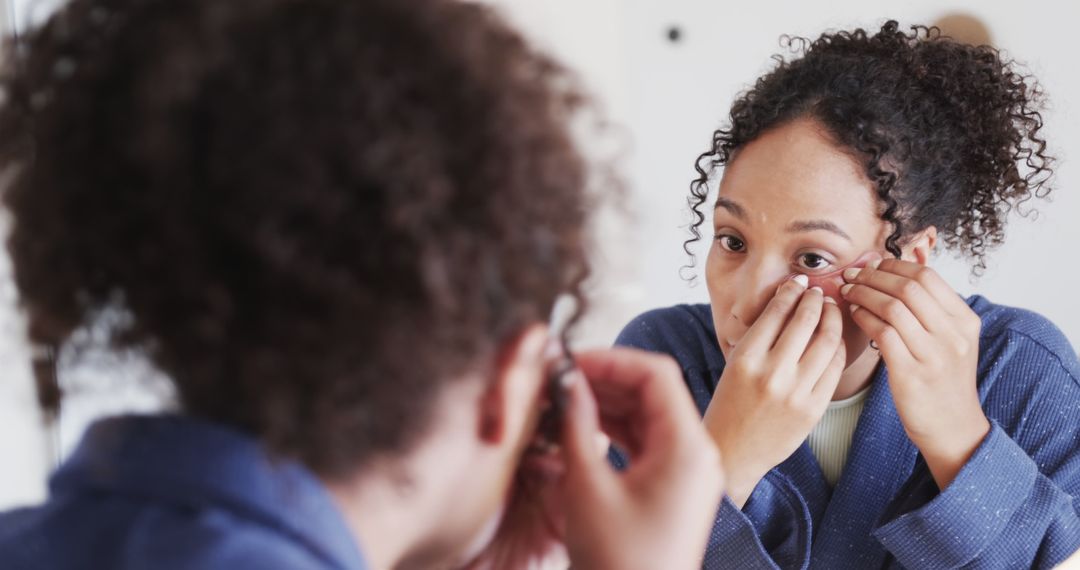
795 171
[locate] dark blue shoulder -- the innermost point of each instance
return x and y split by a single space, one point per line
17 542
1023 333
685 332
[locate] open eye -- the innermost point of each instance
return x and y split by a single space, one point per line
731 243
813 262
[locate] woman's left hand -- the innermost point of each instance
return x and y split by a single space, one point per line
929 338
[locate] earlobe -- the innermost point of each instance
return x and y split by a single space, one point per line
921 246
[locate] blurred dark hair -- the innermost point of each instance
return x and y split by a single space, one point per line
312 213
949 133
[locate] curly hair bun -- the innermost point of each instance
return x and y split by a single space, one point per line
949 132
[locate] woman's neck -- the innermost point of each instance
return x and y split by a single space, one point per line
857 376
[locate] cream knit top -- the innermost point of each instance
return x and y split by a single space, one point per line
830 439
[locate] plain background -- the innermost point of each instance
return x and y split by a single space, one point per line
663 99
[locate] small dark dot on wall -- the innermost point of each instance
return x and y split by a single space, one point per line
674 34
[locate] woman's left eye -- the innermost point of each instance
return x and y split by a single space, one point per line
812 261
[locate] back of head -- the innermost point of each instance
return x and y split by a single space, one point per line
310 214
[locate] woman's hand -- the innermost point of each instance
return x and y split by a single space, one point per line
776 385
929 338
656 514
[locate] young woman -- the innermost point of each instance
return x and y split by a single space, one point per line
339 228
869 416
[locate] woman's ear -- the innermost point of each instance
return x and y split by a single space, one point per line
920 246
510 403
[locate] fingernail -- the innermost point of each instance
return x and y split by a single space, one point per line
830 300
844 290
854 307
801 279
851 273
874 264
567 381
818 289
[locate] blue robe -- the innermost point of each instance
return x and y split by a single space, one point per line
1014 504
176 492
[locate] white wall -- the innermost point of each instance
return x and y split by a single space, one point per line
23 448
103 386
679 93
23 444
669 97
24 12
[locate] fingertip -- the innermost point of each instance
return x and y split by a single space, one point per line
794 284
582 418
582 402
830 310
584 467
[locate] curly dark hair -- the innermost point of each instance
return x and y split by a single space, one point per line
949 133
313 214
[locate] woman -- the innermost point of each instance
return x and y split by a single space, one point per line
339 228
868 415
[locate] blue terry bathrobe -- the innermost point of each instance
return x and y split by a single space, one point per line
1015 504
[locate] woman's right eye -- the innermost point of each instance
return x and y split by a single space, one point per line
730 243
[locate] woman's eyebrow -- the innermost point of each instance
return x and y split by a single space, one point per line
797 226
731 206
815 225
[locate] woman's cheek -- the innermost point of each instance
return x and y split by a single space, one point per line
855 340
717 279
720 306
830 286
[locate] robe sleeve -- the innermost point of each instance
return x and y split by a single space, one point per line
1016 502
771 531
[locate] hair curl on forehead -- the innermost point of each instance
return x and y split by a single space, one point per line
314 214
949 134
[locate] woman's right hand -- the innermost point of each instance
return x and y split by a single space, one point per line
776 385
655 514
658 512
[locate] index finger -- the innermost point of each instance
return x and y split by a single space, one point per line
949 299
763 333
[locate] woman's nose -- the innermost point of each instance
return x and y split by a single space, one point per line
754 291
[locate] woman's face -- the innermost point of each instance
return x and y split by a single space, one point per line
790 201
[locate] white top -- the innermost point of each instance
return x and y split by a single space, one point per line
830 439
